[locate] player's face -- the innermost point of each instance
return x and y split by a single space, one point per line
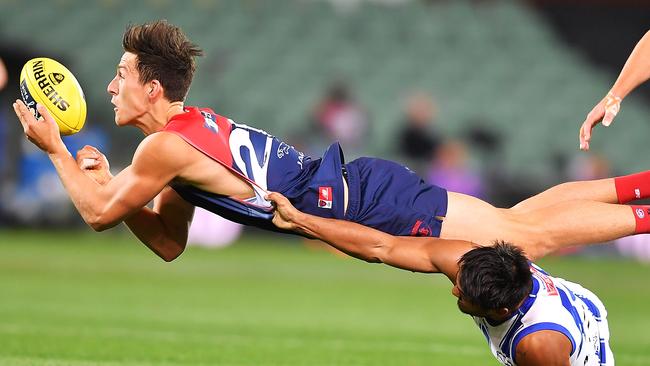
467 306
128 96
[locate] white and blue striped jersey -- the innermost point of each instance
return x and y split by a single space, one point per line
559 305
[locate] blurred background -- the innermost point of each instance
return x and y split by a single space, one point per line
483 97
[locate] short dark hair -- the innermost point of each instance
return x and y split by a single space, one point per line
165 54
495 277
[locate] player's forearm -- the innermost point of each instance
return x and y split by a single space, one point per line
354 239
86 194
371 245
151 230
636 69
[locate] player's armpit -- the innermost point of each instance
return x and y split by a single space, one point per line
544 348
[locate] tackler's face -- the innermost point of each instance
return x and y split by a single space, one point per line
465 305
128 96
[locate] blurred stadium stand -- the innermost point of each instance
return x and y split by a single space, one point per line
267 62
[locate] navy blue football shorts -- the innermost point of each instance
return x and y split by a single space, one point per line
389 197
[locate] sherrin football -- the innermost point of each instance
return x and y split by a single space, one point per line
51 84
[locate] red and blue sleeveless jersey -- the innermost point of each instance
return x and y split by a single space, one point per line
266 163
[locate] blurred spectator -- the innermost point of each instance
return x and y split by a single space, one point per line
481 136
451 169
417 141
340 118
588 167
3 75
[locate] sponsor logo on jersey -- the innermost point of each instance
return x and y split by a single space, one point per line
548 282
325 197
283 150
301 157
420 229
504 359
640 213
210 122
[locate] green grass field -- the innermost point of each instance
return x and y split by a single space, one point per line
82 298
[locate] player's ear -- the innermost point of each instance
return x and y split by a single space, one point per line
501 312
154 89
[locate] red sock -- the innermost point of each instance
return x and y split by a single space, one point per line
632 187
642 218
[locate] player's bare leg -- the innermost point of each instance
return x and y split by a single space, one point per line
610 190
602 190
539 231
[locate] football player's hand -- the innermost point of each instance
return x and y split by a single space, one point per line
285 214
94 164
603 112
43 132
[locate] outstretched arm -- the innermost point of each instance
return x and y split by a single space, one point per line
635 72
429 255
104 201
164 228
636 69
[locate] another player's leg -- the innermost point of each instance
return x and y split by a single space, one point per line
602 190
544 230
621 189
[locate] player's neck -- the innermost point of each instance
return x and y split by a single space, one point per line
157 117
174 109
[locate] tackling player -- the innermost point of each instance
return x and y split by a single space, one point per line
193 157
528 317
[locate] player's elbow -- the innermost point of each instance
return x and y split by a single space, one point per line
381 251
97 224
371 259
171 253
370 253
169 257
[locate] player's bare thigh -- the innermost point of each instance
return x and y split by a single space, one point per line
469 218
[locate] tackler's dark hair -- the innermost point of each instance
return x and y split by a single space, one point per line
495 277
